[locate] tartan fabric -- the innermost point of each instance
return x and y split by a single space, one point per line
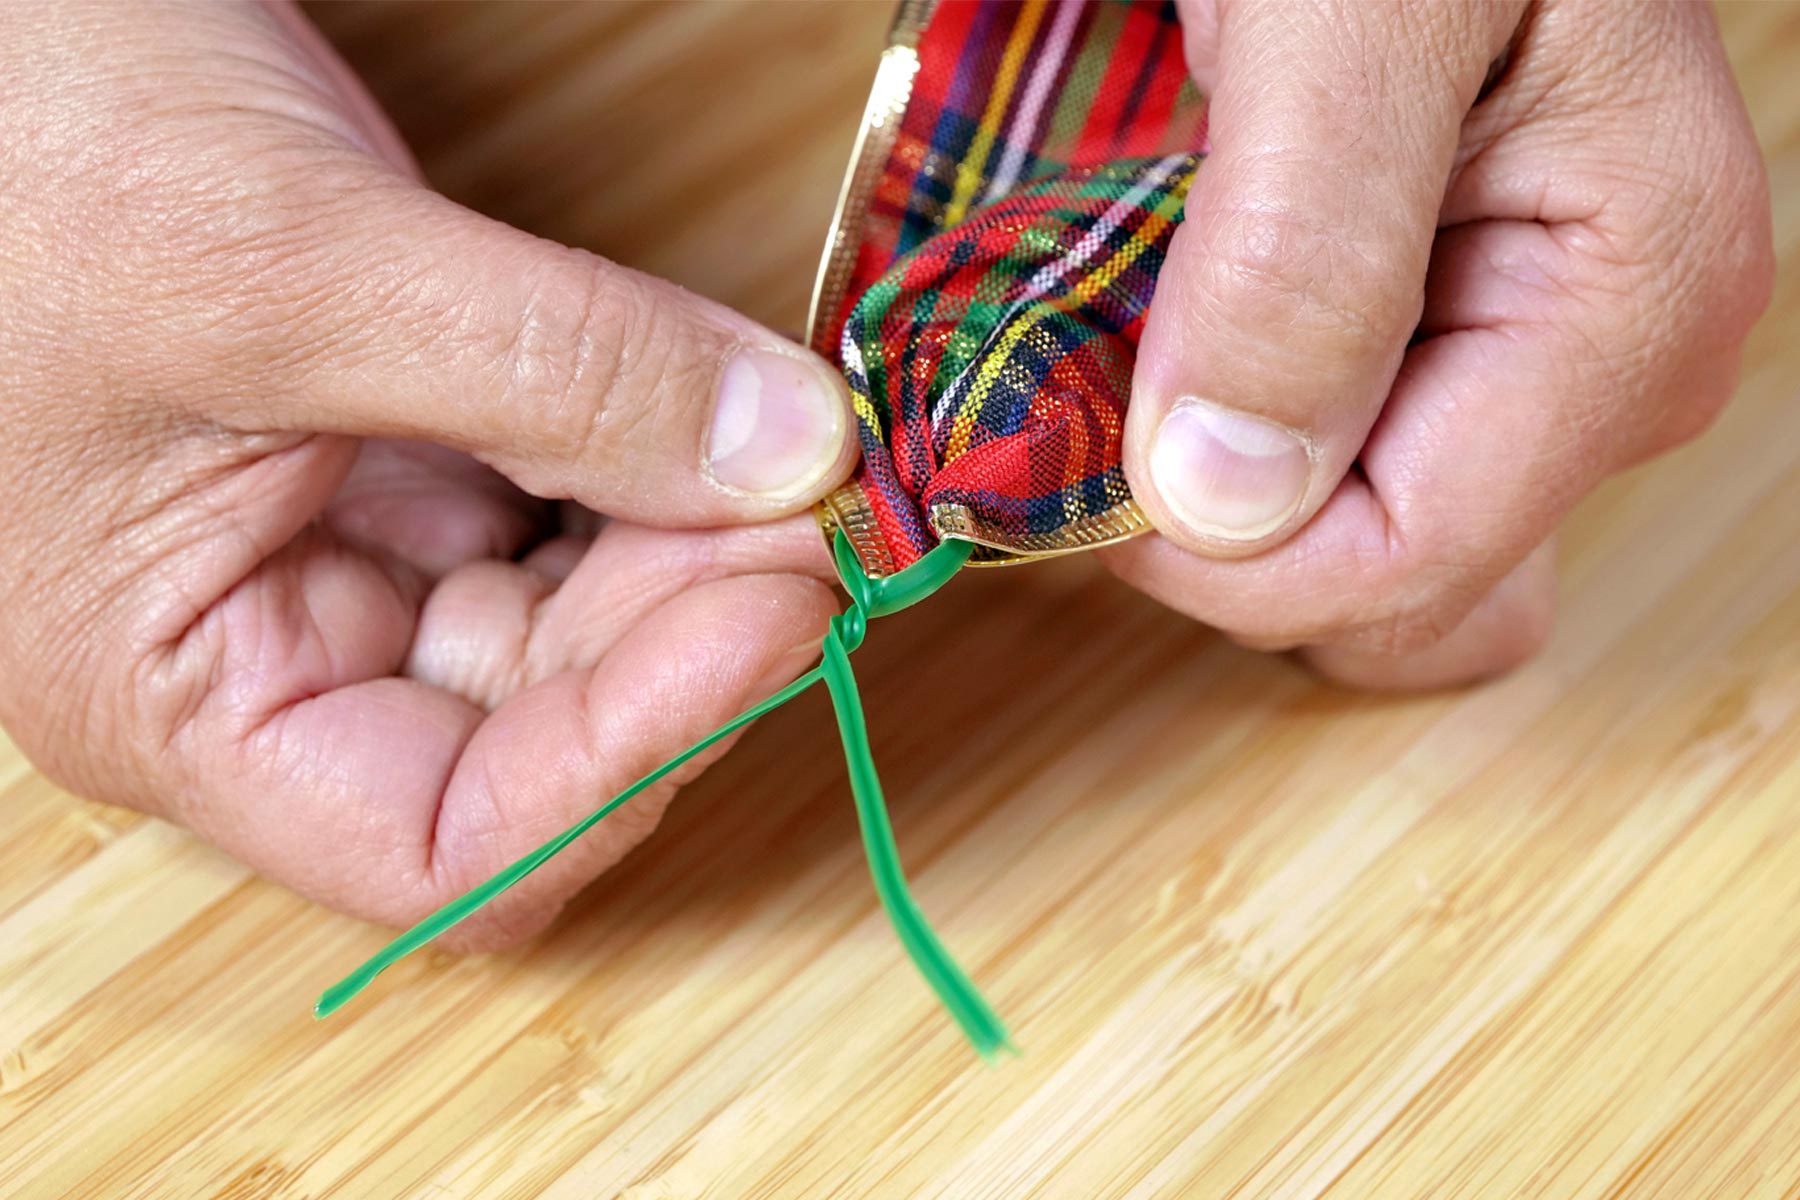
1005 260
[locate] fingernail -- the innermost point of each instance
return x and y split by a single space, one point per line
1227 474
778 424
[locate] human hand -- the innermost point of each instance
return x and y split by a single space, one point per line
281 424
1407 323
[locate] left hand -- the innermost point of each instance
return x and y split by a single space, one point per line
283 428
1409 322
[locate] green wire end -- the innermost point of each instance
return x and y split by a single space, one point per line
869 598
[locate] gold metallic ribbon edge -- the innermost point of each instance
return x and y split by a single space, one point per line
847 508
888 98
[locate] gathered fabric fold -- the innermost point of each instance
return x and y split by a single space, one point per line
1006 257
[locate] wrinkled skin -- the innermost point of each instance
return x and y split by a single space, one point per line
280 420
1466 308
285 428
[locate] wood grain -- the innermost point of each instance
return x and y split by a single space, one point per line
1258 938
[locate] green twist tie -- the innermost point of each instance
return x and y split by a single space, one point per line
868 598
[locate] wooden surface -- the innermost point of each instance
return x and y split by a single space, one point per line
1257 938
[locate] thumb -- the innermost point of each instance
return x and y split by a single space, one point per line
1284 308
403 314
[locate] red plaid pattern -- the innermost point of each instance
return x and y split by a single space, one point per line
1004 262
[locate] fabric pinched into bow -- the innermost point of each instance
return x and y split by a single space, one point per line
1005 261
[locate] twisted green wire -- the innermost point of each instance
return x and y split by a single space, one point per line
869 598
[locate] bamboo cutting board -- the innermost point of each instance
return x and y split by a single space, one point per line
1257 938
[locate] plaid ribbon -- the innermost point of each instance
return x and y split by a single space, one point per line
1004 261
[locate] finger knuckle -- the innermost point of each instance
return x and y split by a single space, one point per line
1735 267
563 361
1282 272
597 353
1412 602
1528 632
1409 627
1689 415
1317 598
1718 272
1671 342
